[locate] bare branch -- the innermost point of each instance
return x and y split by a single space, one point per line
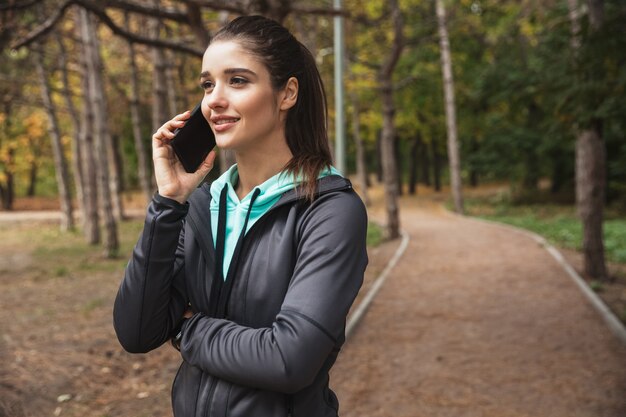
18 6
104 18
162 12
49 24
43 29
217 5
320 11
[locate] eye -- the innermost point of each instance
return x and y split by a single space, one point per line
206 85
238 81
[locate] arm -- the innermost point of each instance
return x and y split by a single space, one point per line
152 297
331 260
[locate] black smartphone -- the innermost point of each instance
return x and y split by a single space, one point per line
193 141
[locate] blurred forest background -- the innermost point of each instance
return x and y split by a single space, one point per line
524 93
513 110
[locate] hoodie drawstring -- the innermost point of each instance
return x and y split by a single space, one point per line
222 286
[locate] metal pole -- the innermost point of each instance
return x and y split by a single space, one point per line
340 141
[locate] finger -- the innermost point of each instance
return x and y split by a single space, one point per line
206 165
182 116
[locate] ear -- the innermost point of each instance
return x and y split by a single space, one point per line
289 94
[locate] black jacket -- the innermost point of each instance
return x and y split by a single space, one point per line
266 351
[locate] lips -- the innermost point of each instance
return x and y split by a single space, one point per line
223 123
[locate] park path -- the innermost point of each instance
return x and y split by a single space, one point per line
476 320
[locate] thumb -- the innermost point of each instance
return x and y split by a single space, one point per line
206 165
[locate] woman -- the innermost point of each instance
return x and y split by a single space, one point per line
253 276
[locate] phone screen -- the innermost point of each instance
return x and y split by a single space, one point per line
193 141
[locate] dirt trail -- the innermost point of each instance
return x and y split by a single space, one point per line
476 320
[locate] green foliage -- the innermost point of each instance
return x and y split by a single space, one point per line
375 234
557 223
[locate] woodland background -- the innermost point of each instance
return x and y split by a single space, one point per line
514 110
526 93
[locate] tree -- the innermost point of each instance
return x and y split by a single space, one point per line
62 176
390 173
448 84
591 161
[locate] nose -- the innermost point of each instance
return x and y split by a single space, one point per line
216 99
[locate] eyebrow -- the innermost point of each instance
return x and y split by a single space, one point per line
205 74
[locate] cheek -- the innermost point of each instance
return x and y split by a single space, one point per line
204 106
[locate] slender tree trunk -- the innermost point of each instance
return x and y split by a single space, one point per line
436 165
390 170
143 168
7 189
448 85
361 167
473 174
102 143
76 150
90 215
32 179
379 158
424 158
413 165
159 82
105 142
60 164
399 164
591 163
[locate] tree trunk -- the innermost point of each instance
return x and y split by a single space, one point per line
159 82
104 143
361 166
448 86
79 179
102 138
90 215
60 164
32 178
473 174
379 158
424 162
399 165
590 163
143 168
436 165
590 195
390 171
413 165
7 190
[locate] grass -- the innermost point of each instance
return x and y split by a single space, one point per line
375 235
558 224
58 255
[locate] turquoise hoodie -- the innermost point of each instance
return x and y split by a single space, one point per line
263 197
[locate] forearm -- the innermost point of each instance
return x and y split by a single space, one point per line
149 298
284 358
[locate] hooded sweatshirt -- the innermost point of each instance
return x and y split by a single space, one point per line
247 211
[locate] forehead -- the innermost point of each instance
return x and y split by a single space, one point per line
222 55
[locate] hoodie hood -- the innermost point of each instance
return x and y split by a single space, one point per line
247 211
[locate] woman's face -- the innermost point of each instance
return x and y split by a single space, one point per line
239 101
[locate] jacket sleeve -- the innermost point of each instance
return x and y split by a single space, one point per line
331 260
152 297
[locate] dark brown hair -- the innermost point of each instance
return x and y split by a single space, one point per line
284 57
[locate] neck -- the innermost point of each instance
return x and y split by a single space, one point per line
256 167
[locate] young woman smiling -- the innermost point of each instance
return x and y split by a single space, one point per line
253 276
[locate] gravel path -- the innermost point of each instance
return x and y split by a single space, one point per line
476 320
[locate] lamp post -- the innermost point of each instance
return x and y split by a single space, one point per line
340 141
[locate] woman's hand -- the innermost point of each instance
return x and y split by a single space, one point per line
171 178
